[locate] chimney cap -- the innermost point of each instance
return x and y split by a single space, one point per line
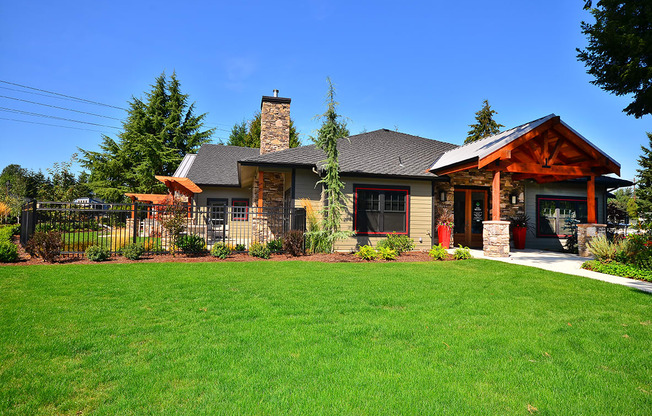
276 100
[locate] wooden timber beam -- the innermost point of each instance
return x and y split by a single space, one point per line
495 196
534 168
555 151
456 168
587 148
520 141
590 200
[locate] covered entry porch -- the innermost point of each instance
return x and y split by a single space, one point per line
487 178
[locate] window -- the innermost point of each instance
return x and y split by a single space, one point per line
381 210
240 209
554 213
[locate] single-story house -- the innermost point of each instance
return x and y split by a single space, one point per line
396 182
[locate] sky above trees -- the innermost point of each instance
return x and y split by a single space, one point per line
423 68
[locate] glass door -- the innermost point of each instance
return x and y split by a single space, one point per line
470 210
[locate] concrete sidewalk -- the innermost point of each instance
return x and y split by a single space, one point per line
563 263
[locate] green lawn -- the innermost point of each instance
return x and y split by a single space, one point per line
474 337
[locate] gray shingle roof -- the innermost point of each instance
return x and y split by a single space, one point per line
218 165
379 152
488 145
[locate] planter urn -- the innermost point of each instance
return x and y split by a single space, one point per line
444 235
519 234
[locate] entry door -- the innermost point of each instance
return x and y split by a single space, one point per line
470 209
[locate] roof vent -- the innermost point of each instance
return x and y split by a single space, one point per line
275 93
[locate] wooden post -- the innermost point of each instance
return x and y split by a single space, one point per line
495 197
261 183
590 200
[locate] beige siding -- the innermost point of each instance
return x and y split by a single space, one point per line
420 212
304 182
222 192
555 189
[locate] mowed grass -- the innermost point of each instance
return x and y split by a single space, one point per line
474 337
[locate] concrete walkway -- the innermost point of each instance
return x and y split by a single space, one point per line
563 263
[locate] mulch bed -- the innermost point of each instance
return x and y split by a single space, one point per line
26 259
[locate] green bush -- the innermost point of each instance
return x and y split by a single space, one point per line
259 250
191 244
462 253
220 250
97 253
133 251
604 250
397 242
387 253
438 252
618 269
275 246
46 245
293 243
240 247
367 253
8 252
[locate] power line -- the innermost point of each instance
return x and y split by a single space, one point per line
48 124
64 95
29 113
60 108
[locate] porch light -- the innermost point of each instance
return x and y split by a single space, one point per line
442 196
514 199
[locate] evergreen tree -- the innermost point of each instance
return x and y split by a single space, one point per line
247 134
157 134
619 53
331 130
644 182
485 125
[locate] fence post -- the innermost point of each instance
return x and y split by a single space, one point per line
134 216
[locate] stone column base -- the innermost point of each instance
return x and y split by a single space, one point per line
495 238
586 233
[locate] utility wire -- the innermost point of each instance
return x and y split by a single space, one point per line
64 95
60 108
48 124
29 113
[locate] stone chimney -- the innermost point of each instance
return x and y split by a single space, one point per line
274 124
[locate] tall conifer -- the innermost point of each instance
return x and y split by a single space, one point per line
485 125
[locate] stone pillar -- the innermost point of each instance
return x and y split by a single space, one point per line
586 233
495 238
274 124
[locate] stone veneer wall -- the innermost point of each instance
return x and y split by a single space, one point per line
266 227
476 177
274 125
586 233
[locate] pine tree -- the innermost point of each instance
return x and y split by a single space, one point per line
331 130
644 182
157 134
485 126
247 134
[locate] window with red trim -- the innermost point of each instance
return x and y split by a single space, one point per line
381 210
240 209
555 213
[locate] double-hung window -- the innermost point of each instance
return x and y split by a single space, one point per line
240 209
381 210
555 215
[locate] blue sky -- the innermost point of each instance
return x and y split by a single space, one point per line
423 68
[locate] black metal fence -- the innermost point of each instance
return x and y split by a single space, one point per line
116 225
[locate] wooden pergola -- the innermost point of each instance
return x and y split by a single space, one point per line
546 150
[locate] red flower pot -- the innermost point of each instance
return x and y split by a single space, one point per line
444 235
519 234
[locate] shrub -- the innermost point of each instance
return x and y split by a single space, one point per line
367 253
397 242
240 247
275 246
220 250
46 245
133 251
603 250
259 250
191 244
438 252
387 253
293 243
97 253
8 252
462 253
